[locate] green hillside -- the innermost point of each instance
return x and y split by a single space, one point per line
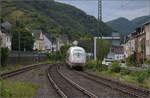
52 17
126 26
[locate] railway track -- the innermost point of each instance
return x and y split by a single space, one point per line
18 71
66 87
117 85
99 89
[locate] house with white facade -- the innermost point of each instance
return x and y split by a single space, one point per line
138 43
47 44
5 35
51 42
116 53
129 47
38 41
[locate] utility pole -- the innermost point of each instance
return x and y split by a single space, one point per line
99 25
18 25
100 17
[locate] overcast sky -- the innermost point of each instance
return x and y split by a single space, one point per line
112 9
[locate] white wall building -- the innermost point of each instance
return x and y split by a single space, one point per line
5 35
48 44
119 56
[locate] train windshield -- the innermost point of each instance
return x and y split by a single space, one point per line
77 52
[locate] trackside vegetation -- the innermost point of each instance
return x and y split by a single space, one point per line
59 55
17 89
4 56
139 77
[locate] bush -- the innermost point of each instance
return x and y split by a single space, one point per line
141 75
131 60
54 56
124 71
147 61
91 64
116 67
59 55
95 65
4 56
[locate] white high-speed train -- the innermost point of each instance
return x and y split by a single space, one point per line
76 57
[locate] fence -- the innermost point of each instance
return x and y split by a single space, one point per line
27 53
25 60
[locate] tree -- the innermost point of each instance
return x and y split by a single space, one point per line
63 50
87 45
102 48
4 55
26 39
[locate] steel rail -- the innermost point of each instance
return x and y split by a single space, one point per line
59 91
18 71
77 86
98 78
145 91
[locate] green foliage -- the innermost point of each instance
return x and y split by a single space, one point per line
95 65
131 60
26 39
63 51
91 64
54 56
102 48
87 45
4 56
19 89
124 71
59 55
53 17
147 61
116 67
141 75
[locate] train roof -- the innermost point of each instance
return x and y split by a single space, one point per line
76 47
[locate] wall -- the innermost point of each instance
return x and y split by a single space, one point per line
139 42
147 30
25 60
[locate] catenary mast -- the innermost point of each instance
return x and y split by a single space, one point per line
99 25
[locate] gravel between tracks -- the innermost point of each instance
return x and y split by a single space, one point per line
38 76
69 90
96 88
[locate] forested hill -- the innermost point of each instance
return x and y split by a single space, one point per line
52 17
126 26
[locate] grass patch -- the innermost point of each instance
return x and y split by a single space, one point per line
41 74
10 67
127 78
18 89
140 78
